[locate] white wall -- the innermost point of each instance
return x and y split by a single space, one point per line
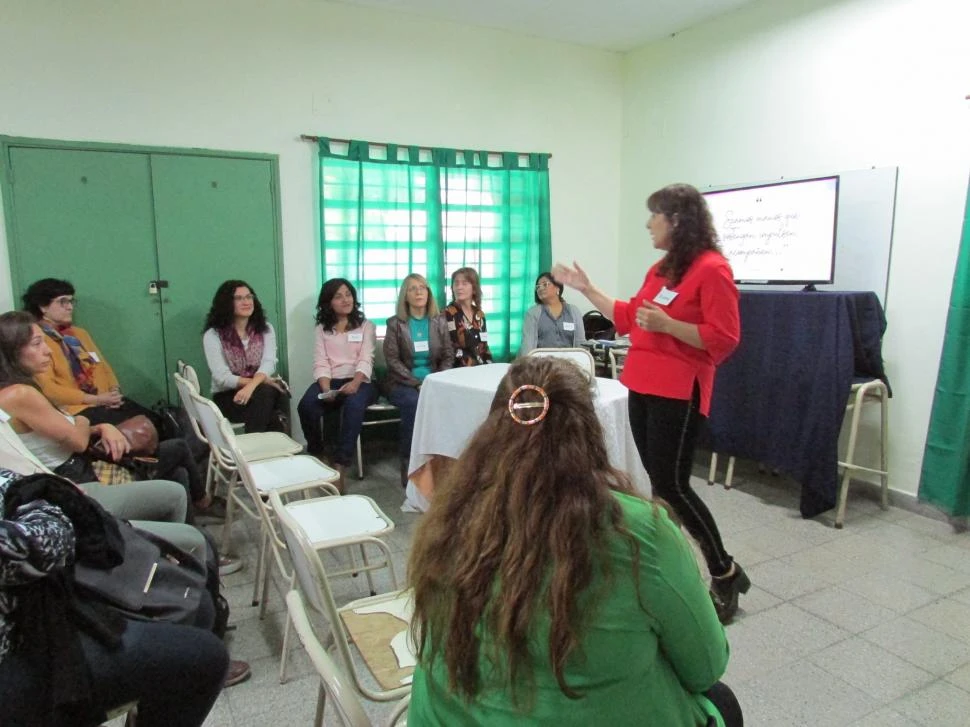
804 87
253 76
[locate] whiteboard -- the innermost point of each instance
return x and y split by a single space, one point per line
778 233
863 234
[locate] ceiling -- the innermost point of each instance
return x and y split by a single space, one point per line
617 25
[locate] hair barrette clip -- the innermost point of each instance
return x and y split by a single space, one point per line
515 406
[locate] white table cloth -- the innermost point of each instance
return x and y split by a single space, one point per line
455 402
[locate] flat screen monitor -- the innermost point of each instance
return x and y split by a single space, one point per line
779 233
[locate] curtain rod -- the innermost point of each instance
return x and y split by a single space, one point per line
315 139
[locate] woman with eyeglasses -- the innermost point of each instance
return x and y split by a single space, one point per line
240 348
466 320
79 379
551 322
416 344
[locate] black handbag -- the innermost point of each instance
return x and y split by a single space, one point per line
156 581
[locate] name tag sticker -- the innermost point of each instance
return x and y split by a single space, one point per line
568 326
94 357
483 336
451 325
665 296
4 417
357 337
421 346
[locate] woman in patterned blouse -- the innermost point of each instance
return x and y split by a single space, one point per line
466 321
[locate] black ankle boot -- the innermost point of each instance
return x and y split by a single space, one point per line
725 592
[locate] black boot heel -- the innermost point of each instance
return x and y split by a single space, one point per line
725 593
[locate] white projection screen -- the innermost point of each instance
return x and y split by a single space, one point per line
779 233
864 230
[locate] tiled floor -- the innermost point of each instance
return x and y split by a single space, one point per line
865 626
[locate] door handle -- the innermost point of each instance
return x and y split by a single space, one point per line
155 285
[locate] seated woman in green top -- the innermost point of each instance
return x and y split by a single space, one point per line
547 591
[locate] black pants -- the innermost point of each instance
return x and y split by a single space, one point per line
259 413
665 432
175 462
723 698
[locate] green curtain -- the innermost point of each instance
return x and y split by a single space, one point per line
387 211
945 479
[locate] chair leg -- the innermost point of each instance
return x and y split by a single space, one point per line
712 474
729 476
261 566
884 446
225 547
367 571
321 705
849 459
360 460
286 634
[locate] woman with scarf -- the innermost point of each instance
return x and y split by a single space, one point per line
240 348
79 379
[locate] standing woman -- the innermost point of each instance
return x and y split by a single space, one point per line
682 322
466 321
343 365
416 344
240 348
551 322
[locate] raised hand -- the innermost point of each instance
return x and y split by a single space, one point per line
575 277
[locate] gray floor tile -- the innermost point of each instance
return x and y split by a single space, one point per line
845 609
885 717
812 696
948 616
960 677
784 579
773 638
874 670
890 592
940 703
920 645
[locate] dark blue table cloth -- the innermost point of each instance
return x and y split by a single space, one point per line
780 398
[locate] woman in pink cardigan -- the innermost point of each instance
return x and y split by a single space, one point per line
343 365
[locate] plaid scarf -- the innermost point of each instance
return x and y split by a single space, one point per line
77 356
242 360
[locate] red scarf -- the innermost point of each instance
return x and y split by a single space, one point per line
242 360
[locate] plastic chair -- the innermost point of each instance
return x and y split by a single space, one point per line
579 356
374 641
873 391
298 473
254 446
381 406
332 682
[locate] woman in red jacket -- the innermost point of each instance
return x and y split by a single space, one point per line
682 322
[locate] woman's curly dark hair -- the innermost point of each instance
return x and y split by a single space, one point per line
693 228
221 313
325 315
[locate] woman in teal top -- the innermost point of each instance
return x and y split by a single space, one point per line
547 591
416 344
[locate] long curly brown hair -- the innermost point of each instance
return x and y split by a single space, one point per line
693 228
527 509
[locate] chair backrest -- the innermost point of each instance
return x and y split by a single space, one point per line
222 440
188 373
312 576
579 356
338 687
13 452
186 389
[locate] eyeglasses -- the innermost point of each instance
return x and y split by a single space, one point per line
65 301
243 298
543 285
417 288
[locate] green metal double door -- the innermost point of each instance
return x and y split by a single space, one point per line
145 237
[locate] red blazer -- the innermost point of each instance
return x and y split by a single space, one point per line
662 365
